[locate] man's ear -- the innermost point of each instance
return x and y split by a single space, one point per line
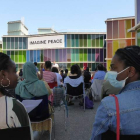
132 71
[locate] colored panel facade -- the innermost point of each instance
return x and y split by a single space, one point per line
118 36
82 49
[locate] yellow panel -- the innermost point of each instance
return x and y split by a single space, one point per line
122 43
128 26
115 46
108 64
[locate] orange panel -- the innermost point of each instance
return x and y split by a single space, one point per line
122 43
128 42
133 42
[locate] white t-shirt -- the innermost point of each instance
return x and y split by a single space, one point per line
59 77
55 65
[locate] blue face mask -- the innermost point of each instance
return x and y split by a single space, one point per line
111 76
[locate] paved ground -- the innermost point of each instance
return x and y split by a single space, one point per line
80 124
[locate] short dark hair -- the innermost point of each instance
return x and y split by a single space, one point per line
48 64
35 63
74 69
100 67
66 70
54 69
87 69
62 71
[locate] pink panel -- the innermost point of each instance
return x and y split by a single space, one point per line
115 29
109 29
60 55
53 55
97 55
45 55
64 59
49 55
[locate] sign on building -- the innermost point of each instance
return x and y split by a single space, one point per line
46 42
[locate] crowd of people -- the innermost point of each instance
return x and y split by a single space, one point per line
35 83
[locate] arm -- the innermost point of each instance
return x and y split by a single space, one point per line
101 124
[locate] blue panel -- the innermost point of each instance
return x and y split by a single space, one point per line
20 42
89 54
93 54
31 56
65 40
28 56
35 56
8 53
38 56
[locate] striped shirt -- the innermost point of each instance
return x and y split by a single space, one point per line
49 76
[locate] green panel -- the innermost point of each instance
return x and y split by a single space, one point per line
12 55
20 56
89 40
81 54
68 41
97 40
5 52
4 43
89 65
42 56
77 55
16 42
24 56
12 43
68 66
81 40
72 41
85 40
93 66
77 40
93 40
16 56
101 40
72 55
81 66
85 54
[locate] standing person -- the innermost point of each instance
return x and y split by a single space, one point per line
125 69
49 76
35 63
87 78
55 65
13 114
59 77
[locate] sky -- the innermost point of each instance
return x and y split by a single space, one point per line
63 15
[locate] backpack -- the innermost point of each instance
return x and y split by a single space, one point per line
88 103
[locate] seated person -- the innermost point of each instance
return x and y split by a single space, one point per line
33 89
49 76
87 78
14 114
74 80
100 74
59 77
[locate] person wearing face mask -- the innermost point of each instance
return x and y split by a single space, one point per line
124 74
109 87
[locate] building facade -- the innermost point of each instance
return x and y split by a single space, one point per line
17 28
84 49
118 35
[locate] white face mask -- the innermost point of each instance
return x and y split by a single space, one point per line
111 76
